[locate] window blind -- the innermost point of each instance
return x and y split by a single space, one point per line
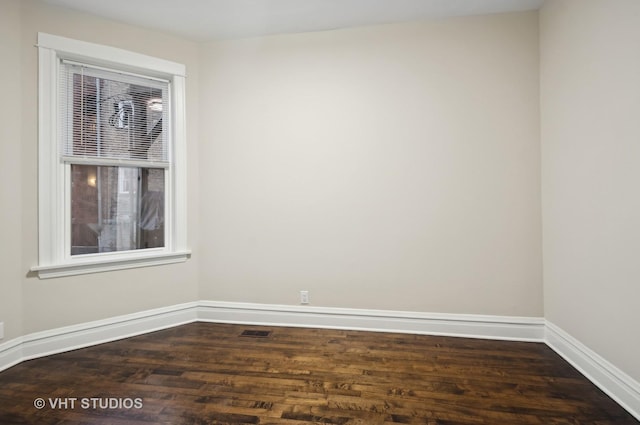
109 117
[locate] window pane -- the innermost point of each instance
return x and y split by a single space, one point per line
109 115
116 208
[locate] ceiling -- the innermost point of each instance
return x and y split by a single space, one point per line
205 20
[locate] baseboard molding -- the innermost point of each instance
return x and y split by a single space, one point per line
615 383
619 386
11 353
68 338
40 344
471 326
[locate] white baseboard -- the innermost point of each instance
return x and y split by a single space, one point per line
69 338
619 386
11 353
471 326
614 382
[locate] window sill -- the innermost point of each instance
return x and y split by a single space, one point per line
109 264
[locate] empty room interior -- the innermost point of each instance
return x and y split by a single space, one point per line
320 211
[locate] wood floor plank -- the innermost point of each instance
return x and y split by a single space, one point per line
204 373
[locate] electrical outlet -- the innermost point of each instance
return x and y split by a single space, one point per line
304 297
1 330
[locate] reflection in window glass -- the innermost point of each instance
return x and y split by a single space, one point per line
116 208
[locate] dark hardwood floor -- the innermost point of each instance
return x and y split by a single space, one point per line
205 373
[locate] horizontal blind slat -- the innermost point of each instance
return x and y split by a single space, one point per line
113 162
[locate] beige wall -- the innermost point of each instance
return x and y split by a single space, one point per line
590 80
52 303
10 176
389 167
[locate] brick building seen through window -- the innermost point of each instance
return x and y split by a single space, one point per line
116 208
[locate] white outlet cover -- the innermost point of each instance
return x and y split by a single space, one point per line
304 297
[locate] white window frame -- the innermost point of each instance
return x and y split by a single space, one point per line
53 178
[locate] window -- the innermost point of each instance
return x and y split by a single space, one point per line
112 175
